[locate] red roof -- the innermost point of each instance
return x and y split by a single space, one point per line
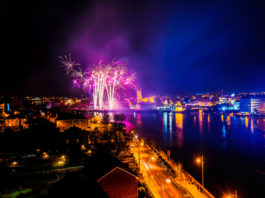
119 183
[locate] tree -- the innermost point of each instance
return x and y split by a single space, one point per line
119 117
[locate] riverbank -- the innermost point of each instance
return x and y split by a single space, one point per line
160 172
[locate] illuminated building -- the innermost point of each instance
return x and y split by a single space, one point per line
144 106
15 123
236 105
139 95
2 107
253 105
200 104
68 123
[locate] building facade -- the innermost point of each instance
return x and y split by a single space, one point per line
252 105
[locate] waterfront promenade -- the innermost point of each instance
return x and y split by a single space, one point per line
160 180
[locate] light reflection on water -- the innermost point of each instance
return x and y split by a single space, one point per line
208 122
164 120
228 120
189 127
170 123
201 121
139 119
179 130
246 122
252 125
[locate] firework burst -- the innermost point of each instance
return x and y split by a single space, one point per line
68 64
101 81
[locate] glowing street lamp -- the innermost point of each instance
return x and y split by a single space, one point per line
14 163
45 155
233 195
152 158
83 148
200 160
89 152
60 163
63 157
168 181
139 156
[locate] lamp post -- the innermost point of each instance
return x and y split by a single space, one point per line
135 138
139 156
201 161
167 180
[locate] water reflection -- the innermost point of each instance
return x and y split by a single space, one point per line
200 121
246 122
195 121
222 118
224 136
164 120
224 132
179 131
252 125
260 124
179 120
170 122
228 120
167 128
208 121
138 119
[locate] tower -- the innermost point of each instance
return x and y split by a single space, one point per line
139 95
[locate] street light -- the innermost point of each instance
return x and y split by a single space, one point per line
139 156
63 157
14 163
233 195
200 160
167 181
45 155
152 158
89 152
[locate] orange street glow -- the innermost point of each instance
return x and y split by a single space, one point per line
14 163
168 180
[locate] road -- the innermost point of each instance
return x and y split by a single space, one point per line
154 174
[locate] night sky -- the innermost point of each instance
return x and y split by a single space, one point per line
175 47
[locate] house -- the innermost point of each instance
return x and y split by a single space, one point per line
119 183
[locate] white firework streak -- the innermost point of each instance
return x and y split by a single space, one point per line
68 64
100 78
